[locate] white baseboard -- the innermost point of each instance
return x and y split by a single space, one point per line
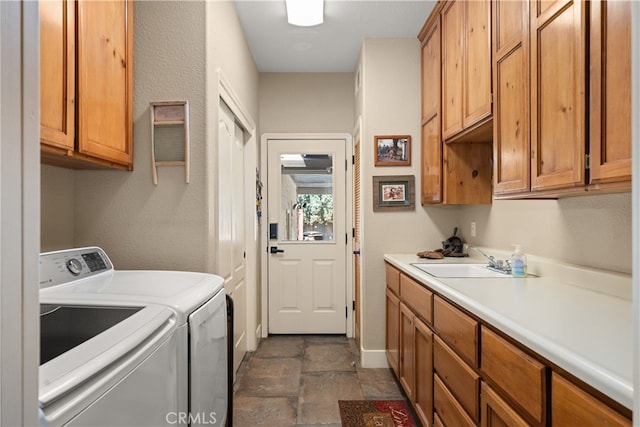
373 358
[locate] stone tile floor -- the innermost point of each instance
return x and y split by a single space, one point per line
297 380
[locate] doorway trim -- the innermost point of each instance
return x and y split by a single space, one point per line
348 139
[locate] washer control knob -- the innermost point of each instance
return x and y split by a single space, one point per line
74 266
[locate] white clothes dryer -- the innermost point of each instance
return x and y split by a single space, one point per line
196 301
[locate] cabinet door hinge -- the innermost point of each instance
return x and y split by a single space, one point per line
587 161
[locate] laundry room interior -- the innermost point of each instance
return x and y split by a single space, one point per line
167 145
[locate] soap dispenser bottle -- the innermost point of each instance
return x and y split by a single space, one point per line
518 263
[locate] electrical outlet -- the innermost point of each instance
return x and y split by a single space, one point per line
473 229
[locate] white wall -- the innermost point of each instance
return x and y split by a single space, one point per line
19 213
635 132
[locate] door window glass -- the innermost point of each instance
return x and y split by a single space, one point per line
306 206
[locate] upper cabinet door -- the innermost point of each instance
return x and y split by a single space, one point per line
431 66
511 158
452 67
558 86
431 152
477 64
105 78
610 80
466 70
57 73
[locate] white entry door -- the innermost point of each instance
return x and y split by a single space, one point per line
307 237
231 236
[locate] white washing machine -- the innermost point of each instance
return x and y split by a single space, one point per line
195 306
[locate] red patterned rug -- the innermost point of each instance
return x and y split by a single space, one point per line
375 413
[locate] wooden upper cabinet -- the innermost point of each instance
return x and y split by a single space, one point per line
87 54
466 69
431 153
610 84
105 77
477 64
558 87
57 73
452 67
431 63
511 158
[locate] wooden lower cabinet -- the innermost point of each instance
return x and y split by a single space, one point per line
451 413
572 406
423 356
392 336
460 379
463 372
496 412
407 371
519 375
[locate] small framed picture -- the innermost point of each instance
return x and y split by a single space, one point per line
393 150
394 193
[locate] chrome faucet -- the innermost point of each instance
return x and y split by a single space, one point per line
494 264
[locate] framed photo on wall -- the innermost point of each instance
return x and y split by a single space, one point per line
393 150
394 193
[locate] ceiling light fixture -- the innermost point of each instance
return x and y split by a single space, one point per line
305 13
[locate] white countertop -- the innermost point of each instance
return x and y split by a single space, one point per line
587 332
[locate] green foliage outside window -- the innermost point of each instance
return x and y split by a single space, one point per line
317 208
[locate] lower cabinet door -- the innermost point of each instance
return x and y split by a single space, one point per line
496 412
407 371
393 330
449 410
423 389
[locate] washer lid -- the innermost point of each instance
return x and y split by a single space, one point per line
98 356
182 291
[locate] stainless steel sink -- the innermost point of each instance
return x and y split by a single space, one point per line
63 327
460 270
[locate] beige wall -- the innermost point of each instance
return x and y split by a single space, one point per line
391 106
56 201
306 102
593 231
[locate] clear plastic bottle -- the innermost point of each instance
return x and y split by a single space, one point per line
518 263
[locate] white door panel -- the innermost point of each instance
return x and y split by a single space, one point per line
231 215
307 276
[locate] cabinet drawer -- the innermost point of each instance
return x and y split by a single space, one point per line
436 421
393 278
517 374
447 408
571 405
496 412
416 296
461 380
457 329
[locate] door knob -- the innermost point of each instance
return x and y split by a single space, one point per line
275 250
